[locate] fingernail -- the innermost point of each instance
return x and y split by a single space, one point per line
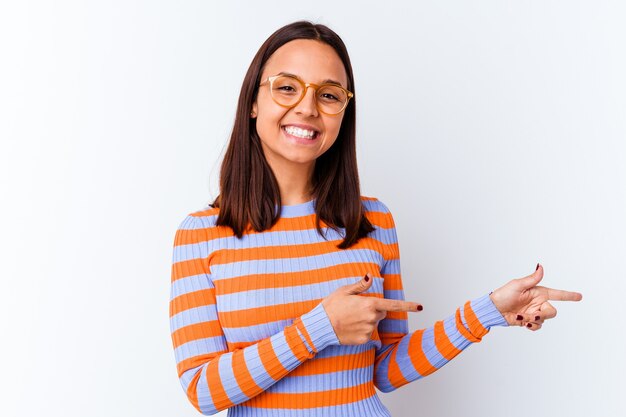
537 267
529 325
419 308
536 318
367 277
519 317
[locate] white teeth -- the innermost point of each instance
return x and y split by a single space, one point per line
302 133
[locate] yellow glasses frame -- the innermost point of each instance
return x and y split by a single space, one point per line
305 87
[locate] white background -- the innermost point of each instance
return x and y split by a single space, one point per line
495 131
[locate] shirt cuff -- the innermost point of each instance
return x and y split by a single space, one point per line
319 329
487 313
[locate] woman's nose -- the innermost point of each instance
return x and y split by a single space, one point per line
308 104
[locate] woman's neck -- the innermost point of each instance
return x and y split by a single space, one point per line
295 184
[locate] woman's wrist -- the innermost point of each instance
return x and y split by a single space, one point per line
493 295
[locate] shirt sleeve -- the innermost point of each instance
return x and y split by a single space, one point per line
405 357
213 377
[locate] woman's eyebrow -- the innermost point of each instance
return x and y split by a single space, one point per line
326 81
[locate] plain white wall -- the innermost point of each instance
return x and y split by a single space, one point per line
494 130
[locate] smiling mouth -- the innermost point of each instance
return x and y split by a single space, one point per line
301 133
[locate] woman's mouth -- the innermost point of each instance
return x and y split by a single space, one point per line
300 135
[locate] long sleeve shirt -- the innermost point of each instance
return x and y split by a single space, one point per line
250 333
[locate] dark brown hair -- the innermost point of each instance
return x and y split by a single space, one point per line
249 192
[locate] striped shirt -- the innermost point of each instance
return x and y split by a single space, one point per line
250 333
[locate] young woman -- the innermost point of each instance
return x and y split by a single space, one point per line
286 294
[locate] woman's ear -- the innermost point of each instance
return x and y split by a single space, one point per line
253 112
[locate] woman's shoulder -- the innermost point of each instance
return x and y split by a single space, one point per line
200 219
377 212
205 212
374 204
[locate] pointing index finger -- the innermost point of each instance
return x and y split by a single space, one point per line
383 304
562 295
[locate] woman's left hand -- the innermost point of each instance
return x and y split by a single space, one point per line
523 303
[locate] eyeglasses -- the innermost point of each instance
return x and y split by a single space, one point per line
288 91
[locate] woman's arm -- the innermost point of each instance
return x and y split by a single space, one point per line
213 378
405 357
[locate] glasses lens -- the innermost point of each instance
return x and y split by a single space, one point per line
287 91
331 99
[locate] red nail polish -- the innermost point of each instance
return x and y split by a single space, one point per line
420 308
529 325
366 278
519 317
537 318
537 267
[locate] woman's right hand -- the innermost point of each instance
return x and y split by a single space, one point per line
355 317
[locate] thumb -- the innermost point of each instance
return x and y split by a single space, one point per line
532 279
361 286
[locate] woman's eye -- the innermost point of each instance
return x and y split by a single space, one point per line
329 97
286 88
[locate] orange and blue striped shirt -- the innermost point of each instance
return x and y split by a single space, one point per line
250 333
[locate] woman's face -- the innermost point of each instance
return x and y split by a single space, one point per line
313 62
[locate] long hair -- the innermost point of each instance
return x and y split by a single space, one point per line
249 192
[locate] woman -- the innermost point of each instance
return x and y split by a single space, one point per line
286 294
